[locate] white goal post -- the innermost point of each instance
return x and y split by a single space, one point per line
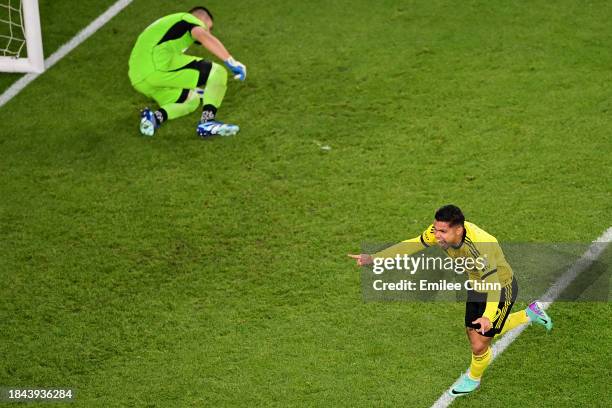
19 27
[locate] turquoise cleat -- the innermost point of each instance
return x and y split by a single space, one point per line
536 314
212 127
465 386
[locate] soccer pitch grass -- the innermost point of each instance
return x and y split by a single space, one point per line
174 271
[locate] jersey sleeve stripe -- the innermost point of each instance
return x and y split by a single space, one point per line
486 275
507 303
474 253
423 242
472 247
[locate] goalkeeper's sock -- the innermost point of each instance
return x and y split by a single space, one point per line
479 364
208 113
161 115
514 320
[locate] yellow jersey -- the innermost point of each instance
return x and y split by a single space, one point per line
476 244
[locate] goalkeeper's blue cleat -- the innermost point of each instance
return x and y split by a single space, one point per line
536 314
465 386
212 127
148 122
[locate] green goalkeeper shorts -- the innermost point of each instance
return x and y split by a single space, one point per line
172 85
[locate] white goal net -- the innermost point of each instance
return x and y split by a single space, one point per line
20 37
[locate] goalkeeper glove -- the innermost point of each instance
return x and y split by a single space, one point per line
237 68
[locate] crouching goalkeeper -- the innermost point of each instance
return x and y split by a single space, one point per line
159 69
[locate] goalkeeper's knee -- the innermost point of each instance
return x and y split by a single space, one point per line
217 76
214 91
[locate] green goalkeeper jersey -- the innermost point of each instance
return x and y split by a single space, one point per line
158 45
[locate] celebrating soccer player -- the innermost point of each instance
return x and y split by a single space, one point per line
487 313
159 69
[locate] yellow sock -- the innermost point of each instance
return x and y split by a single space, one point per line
480 364
515 319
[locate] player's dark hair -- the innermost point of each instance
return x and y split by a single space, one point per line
451 214
204 9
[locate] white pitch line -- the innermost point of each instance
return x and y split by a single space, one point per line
81 36
592 253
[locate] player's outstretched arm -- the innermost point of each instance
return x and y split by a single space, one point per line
216 47
362 259
407 247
